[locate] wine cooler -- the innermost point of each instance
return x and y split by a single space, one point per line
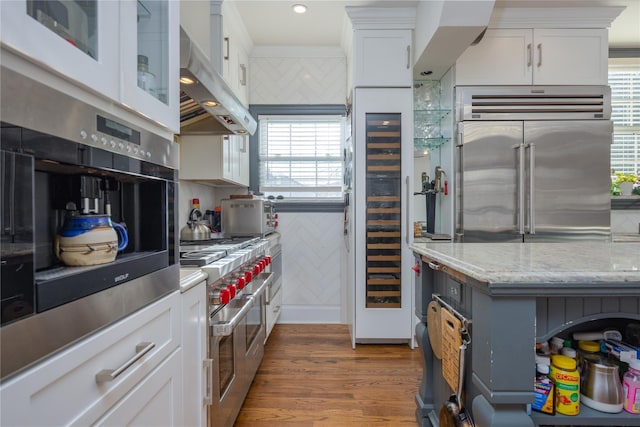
383 189
382 296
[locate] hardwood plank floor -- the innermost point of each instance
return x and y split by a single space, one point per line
310 376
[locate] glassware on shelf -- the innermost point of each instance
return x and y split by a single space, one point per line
426 94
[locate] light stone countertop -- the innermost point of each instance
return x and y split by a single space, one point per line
190 277
542 265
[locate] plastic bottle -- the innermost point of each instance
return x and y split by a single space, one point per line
631 387
195 203
588 350
567 382
556 344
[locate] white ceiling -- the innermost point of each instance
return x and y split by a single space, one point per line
273 22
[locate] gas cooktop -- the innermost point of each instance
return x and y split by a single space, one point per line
203 252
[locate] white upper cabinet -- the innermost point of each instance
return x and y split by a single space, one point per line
215 159
76 39
150 52
536 56
382 58
235 46
101 46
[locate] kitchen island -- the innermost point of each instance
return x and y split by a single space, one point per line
515 295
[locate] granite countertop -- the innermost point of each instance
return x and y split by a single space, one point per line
553 264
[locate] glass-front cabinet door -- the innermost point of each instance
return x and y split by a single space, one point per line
150 56
78 39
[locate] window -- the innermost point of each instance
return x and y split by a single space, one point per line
624 79
300 157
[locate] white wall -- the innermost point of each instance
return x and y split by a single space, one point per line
312 271
312 243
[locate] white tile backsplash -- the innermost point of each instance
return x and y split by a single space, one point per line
298 80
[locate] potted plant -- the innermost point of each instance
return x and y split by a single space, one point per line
625 182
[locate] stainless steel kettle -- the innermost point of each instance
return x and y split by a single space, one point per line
195 228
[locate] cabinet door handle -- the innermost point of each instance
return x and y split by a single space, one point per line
111 374
208 373
243 76
408 56
529 53
226 45
408 216
539 54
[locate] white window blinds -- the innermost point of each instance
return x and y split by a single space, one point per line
625 113
301 156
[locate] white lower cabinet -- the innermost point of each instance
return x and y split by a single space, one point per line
127 374
195 365
153 402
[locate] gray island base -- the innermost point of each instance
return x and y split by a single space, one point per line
515 295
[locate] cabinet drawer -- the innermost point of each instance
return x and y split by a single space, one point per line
65 389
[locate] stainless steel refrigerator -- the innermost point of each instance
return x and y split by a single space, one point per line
533 163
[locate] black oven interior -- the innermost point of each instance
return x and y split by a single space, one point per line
44 179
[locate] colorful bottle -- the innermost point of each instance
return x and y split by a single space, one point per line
631 387
543 391
566 378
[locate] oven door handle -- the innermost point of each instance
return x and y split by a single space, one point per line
225 328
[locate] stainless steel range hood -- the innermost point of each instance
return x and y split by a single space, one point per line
225 114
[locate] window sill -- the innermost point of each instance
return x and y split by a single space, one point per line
309 205
625 202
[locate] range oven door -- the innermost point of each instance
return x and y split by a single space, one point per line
255 328
230 381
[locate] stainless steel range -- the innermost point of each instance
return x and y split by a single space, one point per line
236 284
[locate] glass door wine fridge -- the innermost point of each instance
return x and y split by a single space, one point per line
383 157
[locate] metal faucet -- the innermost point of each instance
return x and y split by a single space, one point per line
439 173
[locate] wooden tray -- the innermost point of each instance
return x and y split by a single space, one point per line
451 342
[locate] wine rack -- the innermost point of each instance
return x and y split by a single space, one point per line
383 215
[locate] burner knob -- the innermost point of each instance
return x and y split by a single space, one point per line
276 224
247 276
232 290
263 264
275 216
240 282
225 297
256 269
268 258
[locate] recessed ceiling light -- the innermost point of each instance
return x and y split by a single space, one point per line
187 80
299 8
210 104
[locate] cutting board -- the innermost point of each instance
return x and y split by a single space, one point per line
434 328
451 342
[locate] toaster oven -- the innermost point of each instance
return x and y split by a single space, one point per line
248 217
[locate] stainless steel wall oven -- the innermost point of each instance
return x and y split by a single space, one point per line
64 160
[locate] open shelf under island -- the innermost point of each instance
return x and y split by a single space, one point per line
514 295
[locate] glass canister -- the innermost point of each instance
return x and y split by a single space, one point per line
564 374
146 80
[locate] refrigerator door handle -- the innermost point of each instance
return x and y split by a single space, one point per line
520 172
532 187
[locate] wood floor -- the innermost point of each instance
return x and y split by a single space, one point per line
310 376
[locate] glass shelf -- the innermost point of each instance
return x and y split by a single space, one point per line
430 116
428 143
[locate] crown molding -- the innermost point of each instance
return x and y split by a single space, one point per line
554 17
377 18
